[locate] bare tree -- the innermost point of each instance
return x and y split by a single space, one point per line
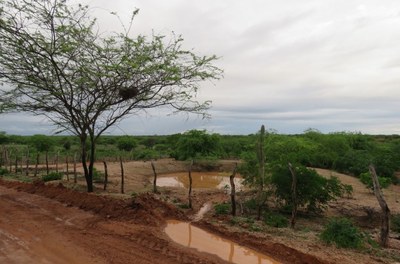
56 64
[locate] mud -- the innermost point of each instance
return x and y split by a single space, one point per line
107 230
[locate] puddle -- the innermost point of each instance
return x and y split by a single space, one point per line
208 180
194 237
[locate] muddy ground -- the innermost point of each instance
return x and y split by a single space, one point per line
54 224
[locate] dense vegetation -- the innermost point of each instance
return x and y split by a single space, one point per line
344 152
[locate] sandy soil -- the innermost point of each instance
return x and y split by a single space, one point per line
52 224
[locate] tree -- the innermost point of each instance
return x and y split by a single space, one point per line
126 143
197 143
57 65
312 190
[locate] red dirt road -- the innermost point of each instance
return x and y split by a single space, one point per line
35 229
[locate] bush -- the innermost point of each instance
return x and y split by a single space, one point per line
126 143
396 223
222 209
98 177
366 179
275 220
52 176
342 233
3 171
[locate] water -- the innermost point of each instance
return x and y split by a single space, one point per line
207 180
194 237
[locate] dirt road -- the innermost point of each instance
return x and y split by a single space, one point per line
35 229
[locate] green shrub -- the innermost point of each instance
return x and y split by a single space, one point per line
342 233
98 177
395 225
222 209
366 179
275 220
52 176
3 171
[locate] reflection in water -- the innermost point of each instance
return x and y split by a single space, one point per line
191 236
200 180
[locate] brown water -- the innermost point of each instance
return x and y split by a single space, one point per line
209 180
194 237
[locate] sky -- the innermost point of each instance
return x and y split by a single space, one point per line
330 65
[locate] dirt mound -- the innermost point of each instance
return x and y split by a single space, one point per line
278 251
145 209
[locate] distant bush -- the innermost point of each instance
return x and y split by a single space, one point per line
98 177
222 209
367 180
275 220
52 176
3 171
342 233
126 143
395 223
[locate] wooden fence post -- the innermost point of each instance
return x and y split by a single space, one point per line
294 196
105 175
233 190
190 184
122 175
47 162
385 216
27 163
66 161
75 174
155 177
36 165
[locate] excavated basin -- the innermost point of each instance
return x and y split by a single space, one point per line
188 235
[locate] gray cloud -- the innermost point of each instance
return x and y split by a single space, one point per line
332 65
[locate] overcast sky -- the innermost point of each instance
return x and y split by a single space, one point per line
332 65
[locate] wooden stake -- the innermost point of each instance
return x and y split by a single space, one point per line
75 174
190 184
36 165
47 162
122 174
66 161
294 196
155 177
105 175
385 216
233 190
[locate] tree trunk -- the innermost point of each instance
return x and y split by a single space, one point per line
190 184
47 163
37 164
122 175
155 177
88 175
105 175
385 216
294 196
233 190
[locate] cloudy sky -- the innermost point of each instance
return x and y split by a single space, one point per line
332 65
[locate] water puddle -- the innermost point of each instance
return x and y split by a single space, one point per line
208 180
194 237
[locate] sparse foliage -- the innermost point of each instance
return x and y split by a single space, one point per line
56 64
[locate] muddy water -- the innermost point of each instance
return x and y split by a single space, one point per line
194 237
210 180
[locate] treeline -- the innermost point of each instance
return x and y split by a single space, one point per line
345 152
